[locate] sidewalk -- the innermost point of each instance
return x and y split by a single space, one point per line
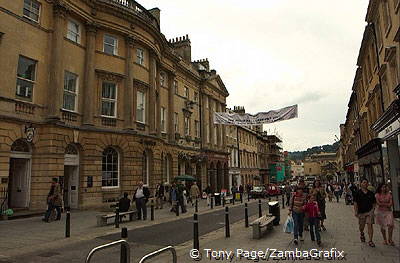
27 235
342 233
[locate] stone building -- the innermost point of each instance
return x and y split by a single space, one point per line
94 94
370 137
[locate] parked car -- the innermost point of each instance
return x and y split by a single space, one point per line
273 189
258 192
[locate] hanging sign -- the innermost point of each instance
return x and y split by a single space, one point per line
259 118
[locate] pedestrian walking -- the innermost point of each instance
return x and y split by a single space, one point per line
180 190
288 192
313 212
141 197
384 214
319 193
159 194
174 198
337 190
297 202
54 201
208 193
329 191
194 193
364 204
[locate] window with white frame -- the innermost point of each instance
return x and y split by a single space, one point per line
176 87
162 79
163 123
187 125
70 91
73 31
110 168
176 122
26 76
110 45
140 107
186 89
31 10
196 97
109 99
140 56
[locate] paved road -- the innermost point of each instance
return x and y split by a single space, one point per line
142 240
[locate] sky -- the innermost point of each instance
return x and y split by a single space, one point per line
275 53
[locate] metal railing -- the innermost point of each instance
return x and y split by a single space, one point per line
160 251
121 242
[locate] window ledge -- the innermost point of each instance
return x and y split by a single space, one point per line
74 43
140 65
110 55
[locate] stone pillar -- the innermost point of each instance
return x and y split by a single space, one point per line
218 126
203 119
152 99
89 89
211 121
171 108
158 100
223 109
55 87
129 94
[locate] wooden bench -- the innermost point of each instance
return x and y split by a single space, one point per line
102 219
262 222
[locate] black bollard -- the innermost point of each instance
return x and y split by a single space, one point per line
259 208
196 206
227 231
152 211
283 201
246 216
269 199
212 202
117 217
241 198
68 223
124 253
223 201
177 208
233 200
248 197
196 232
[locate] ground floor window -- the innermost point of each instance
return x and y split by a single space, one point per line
110 168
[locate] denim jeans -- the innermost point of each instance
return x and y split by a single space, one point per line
314 228
298 220
50 208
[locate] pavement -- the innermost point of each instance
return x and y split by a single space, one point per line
31 240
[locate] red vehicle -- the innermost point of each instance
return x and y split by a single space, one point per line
273 189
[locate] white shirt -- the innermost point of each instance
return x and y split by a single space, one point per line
139 193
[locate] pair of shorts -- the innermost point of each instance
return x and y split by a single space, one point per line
366 218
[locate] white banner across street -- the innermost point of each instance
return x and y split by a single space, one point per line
259 118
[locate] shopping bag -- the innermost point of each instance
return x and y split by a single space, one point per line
289 225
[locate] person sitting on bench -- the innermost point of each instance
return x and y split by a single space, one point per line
124 203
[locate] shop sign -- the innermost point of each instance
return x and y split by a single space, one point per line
390 130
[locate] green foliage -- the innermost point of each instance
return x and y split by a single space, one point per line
301 155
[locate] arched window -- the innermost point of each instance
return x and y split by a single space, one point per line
20 145
146 167
110 168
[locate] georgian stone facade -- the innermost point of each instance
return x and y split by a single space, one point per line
93 93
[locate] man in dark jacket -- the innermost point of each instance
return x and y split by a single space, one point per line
141 196
124 203
159 196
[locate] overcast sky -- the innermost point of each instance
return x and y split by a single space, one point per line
275 53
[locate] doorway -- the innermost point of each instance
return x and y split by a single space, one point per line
71 177
19 183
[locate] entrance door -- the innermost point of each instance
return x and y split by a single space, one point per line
19 183
71 185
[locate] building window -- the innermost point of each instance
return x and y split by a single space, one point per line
197 129
206 102
140 107
25 77
176 122
196 97
73 32
110 45
207 131
386 16
378 33
215 134
186 89
109 99
110 168
394 71
70 91
162 79
176 87
163 123
146 167
187 126
31 10
140 56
